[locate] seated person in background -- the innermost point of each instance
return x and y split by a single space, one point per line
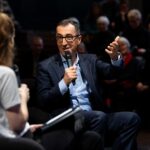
101 38
123 91
120 20
27 61
137 34
61 86
89 21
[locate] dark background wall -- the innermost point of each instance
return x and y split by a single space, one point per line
44 14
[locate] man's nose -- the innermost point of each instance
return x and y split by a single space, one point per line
64 42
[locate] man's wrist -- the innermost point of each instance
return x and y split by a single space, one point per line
63 87
116 57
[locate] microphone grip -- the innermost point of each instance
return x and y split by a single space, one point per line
69 63
73 82
16 70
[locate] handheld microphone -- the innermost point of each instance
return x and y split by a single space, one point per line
69 61
16 70
68 58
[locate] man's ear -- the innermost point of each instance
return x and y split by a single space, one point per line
79 39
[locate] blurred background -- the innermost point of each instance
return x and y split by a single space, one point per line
35 22
43 14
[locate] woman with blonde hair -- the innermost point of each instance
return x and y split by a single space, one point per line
13 100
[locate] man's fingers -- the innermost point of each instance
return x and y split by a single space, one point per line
117 38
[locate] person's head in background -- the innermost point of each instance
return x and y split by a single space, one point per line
134 18
124 45
102 23
36 45
96 9
7 34
68 36
123 6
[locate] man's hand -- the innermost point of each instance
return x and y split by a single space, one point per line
112 49
70 74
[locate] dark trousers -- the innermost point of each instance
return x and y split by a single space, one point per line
122 126
63 136
67 140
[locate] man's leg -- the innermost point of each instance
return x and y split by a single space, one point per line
60 139
124 125
64 139
91 140
96 121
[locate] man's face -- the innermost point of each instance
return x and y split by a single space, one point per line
67 39
134 22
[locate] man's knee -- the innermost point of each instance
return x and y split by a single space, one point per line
91 140
135 119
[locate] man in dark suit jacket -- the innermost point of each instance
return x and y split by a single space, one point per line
65 82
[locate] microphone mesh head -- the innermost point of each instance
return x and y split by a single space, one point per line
67 55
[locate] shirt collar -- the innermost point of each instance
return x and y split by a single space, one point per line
64 60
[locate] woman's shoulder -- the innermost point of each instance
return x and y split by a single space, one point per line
4 70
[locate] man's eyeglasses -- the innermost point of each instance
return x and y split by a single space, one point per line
68 38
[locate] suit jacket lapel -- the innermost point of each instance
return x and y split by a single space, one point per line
85 69
58 67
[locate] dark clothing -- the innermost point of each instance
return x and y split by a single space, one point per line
61 137
139 38
51 71
123 92
66 140
19 144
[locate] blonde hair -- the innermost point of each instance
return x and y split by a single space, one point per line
7 32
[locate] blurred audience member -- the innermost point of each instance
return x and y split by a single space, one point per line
120 20
110 8
138 36
29 56
148 22
27 61
123 91
101 38
90 20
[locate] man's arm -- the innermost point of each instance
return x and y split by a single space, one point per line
113 51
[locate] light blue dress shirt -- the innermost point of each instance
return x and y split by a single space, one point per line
79 92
